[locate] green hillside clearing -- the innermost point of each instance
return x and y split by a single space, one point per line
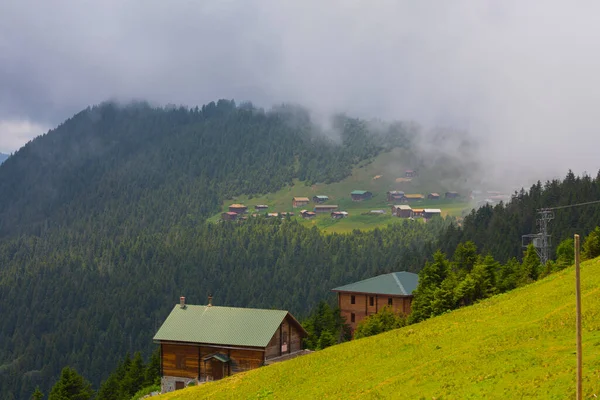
516 345
388 167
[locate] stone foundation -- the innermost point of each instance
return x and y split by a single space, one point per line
167 383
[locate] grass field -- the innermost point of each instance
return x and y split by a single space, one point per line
516 345
361 179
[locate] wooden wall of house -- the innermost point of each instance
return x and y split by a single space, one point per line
287 333
362 306
191 358
179 360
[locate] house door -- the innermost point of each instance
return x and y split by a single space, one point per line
179 385
217 369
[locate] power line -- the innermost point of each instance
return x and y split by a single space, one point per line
570 205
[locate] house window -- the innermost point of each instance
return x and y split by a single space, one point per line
389 301
180 361
352 299
284 344
371 301
352 317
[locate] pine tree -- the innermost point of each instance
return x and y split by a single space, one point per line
591 246
37 394
71 386
530 266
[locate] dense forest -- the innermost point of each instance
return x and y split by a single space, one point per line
102 228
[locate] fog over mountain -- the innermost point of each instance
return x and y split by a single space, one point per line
521 77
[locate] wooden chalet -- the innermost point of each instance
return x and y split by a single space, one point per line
432 212
238 208
307 214
325 208
339 214
361 299
261 207
300 201
417 212
320 199
205 343
402 211
360 195
229 216
433 196
395 196
451 195
413 197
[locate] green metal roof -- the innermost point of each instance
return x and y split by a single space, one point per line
358 192
221 325
322 197
396 283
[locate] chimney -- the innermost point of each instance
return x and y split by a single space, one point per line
210 300
182 302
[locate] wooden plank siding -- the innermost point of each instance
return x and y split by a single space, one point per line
179 360
287 332
362 305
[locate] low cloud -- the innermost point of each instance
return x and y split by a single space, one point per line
521 77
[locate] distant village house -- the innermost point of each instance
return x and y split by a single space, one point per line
320 199
402 211
307 214
429 213
261 207
361 299
206 343
395 196
238 208
325 208
409 173
229 216
413 197
339 214
300 201
417 212
433 196
452 195
360 195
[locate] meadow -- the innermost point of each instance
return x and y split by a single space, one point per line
519 344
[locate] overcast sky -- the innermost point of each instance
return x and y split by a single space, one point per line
520 76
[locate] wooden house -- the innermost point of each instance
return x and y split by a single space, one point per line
360 195
409 173
432 212
413 197
229 216
273 215
300 201
451 195
307 214
261 207
205 343
238 208
417 212
325 208
320 199
395 196
361 299
402 211
433 196
339 214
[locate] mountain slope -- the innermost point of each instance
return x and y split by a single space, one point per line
3 157
516 345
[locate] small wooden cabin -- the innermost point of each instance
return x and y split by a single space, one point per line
238 208
320 199
432 212
261 207
308 214
433 196
402 211
417 212
229 216
409 173
300 201
395 196
360 195
451 195
205 343
361 299
325 208
413 197
339 214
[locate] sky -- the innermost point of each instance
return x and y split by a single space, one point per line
521 77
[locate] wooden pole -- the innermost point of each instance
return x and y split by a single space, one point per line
578 311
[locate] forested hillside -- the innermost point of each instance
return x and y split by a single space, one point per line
147 167
3 157
497 230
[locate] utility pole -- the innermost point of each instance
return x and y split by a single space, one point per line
578 320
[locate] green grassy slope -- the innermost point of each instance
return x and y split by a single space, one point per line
516 345
389 166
